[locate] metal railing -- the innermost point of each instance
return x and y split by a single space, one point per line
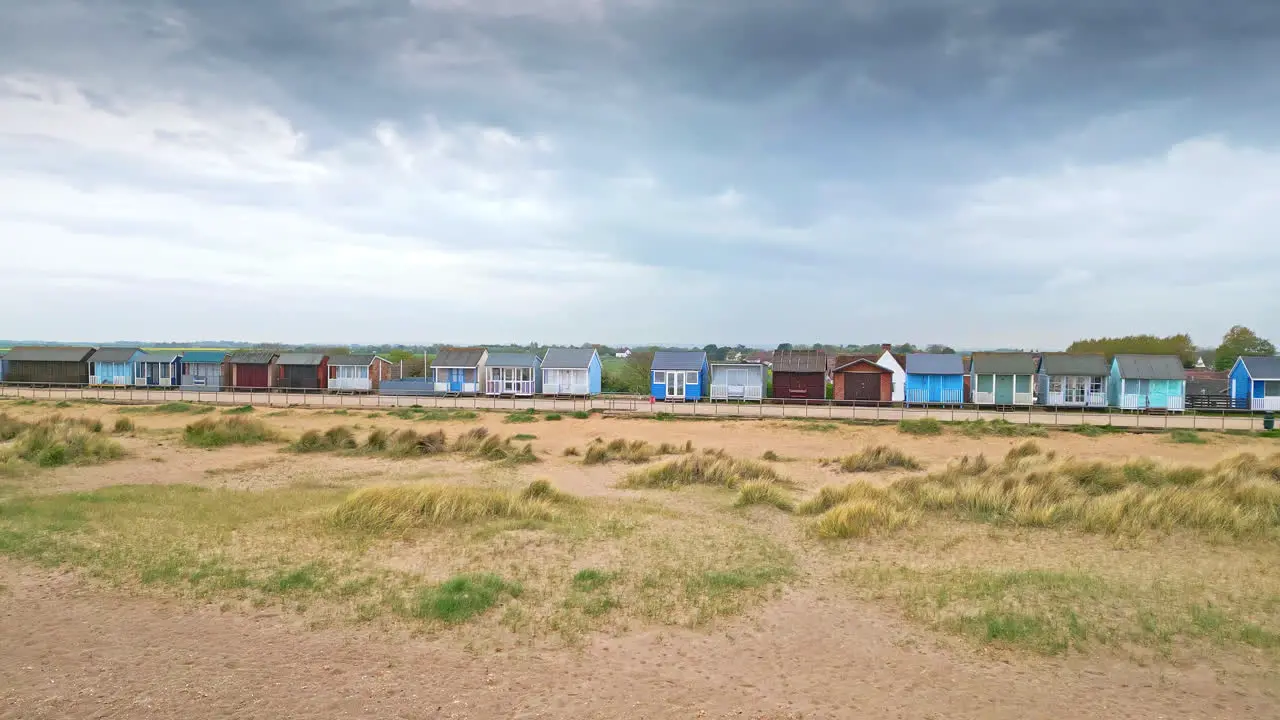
766 408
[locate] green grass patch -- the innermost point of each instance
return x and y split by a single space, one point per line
580 414
333 439
1186 437
999 428
552 417
522 437
1095 430
242 410
462 597
522 416
923 426
432 414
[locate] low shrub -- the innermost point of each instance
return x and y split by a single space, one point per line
571 452
523 416
552 416
377 441
771 456
123 425
923 426
408 443
335 438
1026 449
581 414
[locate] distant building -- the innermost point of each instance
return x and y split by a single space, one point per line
623 353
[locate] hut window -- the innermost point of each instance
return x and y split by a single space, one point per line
986 383
164 371
1022 383
1095 385
1271 388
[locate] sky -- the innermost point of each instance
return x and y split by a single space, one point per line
979 173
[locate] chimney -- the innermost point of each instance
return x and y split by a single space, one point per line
886 347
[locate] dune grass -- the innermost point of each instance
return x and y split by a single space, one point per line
877 458
171 408
54 442
631 451
1237 498
234 430
706 468
1186 437
123 425
335 438
380 509
241 410
923 426
522 416
763 492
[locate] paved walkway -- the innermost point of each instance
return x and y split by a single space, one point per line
641 406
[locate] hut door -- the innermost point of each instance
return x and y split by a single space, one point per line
1004 389
675 385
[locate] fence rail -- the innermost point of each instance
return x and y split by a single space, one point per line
641 405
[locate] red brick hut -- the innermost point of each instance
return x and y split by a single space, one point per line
858 378
799 375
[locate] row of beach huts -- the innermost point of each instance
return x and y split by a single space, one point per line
997 379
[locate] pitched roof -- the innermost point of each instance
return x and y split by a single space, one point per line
1088 364
114 354
844 361
678 360
458 358
1150 367
300 359
252 358
1004 363
49 354
513 360
800 361
1262 368
358 360
567 358
934 364
159 357
204 356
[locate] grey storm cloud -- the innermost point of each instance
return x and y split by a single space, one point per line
993 172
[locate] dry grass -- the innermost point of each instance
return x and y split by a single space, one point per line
862 518
335 438
877 459
924 426
630 451
707 468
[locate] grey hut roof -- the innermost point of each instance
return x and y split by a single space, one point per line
252 358
1090 365
458 358
358 360
300 359
514 360
678 360
1003 363
159 357
1262 368
114 354
567 358
49 354
800 361
1150 367
934 364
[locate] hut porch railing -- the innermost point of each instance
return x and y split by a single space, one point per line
921 396
1266 403
736 392
509 387
1091 399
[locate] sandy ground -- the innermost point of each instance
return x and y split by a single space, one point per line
77 653
72 649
